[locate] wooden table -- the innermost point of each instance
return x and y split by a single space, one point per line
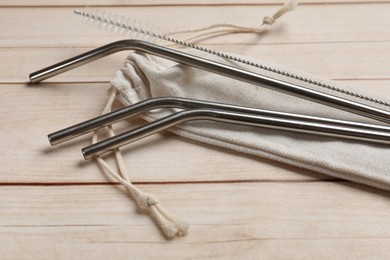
54 205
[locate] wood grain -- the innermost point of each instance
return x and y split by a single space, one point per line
41 27
64 163
158 3
229 221
54 205
343 61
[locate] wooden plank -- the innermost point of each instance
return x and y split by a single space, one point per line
341 61
93 242
329 23
41 3
29 157
307 220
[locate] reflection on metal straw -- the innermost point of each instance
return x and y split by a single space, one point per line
204 110
174 102
215 67
281 123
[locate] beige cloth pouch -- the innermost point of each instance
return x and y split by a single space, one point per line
144 76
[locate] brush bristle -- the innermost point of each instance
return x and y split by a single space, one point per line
138 30
123 26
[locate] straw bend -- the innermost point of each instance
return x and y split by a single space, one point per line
280 123
212 111
186 103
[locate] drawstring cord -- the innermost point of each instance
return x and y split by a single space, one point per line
226 28
168 224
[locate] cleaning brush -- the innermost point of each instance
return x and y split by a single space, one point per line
139 30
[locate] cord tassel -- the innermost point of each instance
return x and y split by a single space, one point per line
226 28
169 225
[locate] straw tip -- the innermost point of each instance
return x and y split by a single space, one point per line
49 137
33 78
87 156
56 138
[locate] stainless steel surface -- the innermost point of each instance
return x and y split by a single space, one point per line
353 133
215 67
163 102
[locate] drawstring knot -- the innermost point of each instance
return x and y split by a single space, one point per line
268 20
169 225
226 28
147 200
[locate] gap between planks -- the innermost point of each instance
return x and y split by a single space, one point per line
330 179
211 4
208 44
31 85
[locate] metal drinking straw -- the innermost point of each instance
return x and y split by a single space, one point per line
215 67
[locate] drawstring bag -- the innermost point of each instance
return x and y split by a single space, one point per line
144 76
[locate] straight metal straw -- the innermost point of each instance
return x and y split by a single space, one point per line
175 102
215 67
353 133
